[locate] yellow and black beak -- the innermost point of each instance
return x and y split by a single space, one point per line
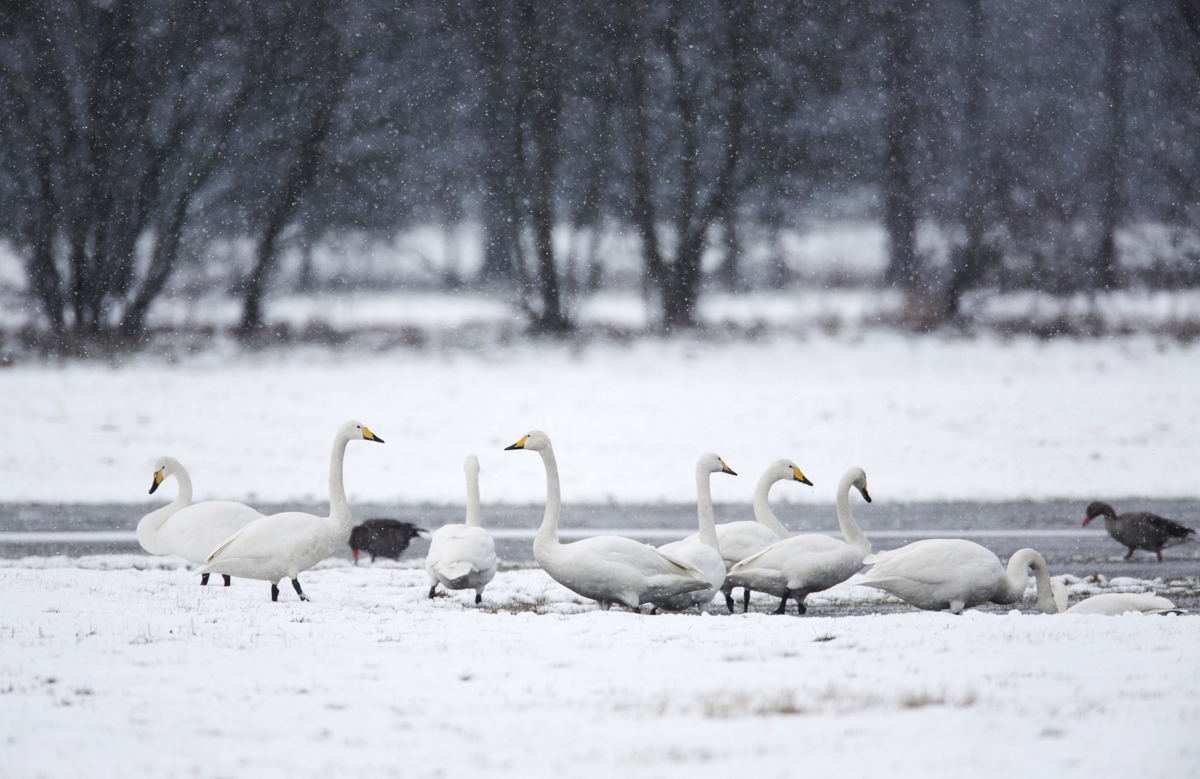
800 477
726 469
519 444
157 480
369 436
866 495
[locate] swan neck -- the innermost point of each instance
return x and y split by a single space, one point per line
149 525
850 529
184 496
339 509
762 507
548 533
704 509
1018 577
472 519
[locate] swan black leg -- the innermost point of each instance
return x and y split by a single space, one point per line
729 601
800 607
783 601
478 598
745 599
300 592
431 591
203 580
274 593
228 579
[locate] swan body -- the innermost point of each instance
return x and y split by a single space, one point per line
280 546
703 549
797 566
607 569
739 540
463 557
1114 604
189 530
1139 529
955 574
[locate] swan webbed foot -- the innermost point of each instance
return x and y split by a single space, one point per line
274 593
228 579
783 601
957 606
203 580
431 591
745 600
300 592
478 598
729 604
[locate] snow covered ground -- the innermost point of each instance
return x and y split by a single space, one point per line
123 666
929 418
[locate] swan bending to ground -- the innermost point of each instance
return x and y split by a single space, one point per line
739 540
280 546
800 565
955 574
702 550
607 569
463 557
190 530
1113 604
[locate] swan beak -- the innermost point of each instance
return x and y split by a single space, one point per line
157 481
369 436
866 495
800 477
519 444
726 469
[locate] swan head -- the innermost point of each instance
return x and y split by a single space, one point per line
1098 509
857 478
1059 590
163 467
786 469
471 465
353 431
535 440
710 463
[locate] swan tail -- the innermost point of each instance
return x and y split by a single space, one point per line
689 570
212 556
454 570
871 559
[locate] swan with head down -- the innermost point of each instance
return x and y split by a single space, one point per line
463 557
953 574
702 550
189 530
1114 604
283 545
797 566
607 569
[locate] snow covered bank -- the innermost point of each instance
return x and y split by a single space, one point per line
111 670
928 418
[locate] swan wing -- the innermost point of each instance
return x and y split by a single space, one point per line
288 534
1115 603
456 550
649 561
193 531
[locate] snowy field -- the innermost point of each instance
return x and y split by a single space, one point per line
929 419
122 666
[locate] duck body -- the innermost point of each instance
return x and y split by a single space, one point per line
1139 529
953 574
283 545
383 538
798 566
463 557
606 569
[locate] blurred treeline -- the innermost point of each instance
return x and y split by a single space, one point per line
136 133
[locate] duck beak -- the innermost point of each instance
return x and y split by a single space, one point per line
369 436
519 444
1085 519
726 469
800 477
157 481
866 495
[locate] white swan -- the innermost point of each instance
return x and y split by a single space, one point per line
797 566
739 540
702 550
282 545
187 529
607 569
463 557
954 574
1113 604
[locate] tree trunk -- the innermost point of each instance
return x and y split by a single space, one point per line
899 196
1104 271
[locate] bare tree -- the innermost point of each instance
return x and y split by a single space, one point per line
899 190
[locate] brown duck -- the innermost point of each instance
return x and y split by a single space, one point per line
1139 529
